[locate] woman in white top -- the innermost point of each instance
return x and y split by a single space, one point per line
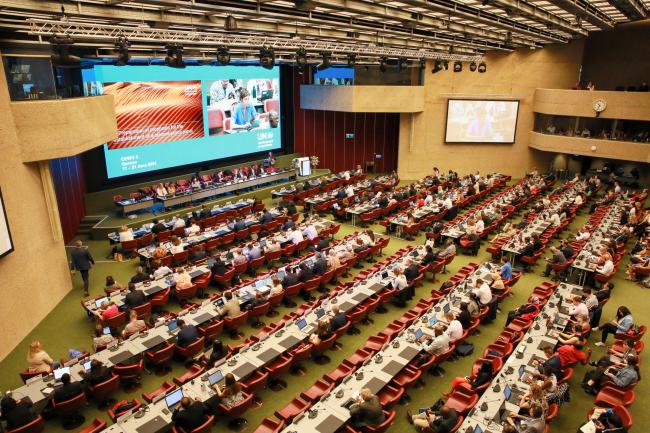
182 279
125 234
177 246
37 359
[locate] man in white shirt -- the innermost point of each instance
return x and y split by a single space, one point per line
346 175
583 234
480 226
448 204
482 292
295 236
578 308
161 270
349 191
455 329
310 232
193 229
437 345
179 222
606 269
578 200
555 219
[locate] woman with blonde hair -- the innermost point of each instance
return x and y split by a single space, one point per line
38 360
536 396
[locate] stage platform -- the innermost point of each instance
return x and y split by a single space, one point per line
112 219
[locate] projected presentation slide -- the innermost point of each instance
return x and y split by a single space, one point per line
170 117
475 121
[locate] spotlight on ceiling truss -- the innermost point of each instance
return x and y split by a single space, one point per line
458 66
122 45
223 55
437 66
61 51
326 63
482 67
267 57
174 58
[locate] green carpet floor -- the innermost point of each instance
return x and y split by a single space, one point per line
68 326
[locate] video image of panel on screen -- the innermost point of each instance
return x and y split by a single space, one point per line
236 105
481 121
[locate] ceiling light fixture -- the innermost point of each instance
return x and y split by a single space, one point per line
174 58
122 45
223 55
267 57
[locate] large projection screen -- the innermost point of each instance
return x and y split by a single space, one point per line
169 117
6 244
481 121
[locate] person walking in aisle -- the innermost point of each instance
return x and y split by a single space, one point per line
81 260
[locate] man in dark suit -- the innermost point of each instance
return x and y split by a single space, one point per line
134 298
266 217
290 279
305 272
528 249
157 227
557 258
567 249
82 261
239 225
139 276
204 213
338 319
187 335
340 193
411 272
288 224
219 267
284 203
320 265
323 243
537 244
67 390
291 209
98 373
190 415
16 413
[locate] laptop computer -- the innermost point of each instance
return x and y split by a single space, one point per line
433 321
173 398
219 302
215 377
320 312
507 392
259 284
98 302
478 429
301 323
173 326
418 333
87 366
446 308
59 372
106 330
281 274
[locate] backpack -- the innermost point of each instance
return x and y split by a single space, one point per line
464 349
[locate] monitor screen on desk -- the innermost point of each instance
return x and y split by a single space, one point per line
60 372
281 274
106 330
215 377
446 308
433 321
301 323
418 333
87 365
172 325
478 429
219 302
259 284
98 302
384 274
320 312
174 398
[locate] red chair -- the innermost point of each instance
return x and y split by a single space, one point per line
192 349
462 400
553 409
635 337
318 351
343 370
257 312
102 391
233 323
390 395
269 425
234 413
299 355
129 373
276 370
68 411
96 426
211 330
143 310
180 258
317 390
135 405
193 372
224 280
255 384
160 357
183 295
35 426
622 412
611 397
380 428
206 427
129 247
290 292
160 299
274 301
115 321
293 409
162 389
26 374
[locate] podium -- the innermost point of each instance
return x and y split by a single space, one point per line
304 166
